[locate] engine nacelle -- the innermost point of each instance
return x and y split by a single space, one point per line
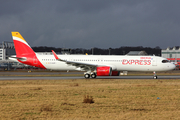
104 71
115 73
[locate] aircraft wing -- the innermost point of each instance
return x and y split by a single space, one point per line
83 66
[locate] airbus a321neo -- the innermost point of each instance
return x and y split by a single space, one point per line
93 65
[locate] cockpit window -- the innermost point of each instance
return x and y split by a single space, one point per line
165 61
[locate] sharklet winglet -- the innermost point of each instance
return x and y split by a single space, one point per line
57 58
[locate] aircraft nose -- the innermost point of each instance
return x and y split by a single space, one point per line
172 66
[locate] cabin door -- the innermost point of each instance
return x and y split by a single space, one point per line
154 61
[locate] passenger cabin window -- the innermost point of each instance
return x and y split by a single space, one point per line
165 61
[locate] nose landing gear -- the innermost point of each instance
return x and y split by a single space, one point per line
155 76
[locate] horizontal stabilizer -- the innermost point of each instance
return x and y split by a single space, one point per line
19 58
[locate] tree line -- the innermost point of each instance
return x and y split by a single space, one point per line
98 51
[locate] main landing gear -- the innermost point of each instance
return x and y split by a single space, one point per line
88 75
93 75
155 76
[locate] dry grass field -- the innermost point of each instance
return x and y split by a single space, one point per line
90 99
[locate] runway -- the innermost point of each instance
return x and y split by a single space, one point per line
99 77
71 75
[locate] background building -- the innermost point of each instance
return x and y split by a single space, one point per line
6 50
135 53
172 54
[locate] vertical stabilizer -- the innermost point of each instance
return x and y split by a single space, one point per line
24 53
21 46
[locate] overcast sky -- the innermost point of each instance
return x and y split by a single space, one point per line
92 23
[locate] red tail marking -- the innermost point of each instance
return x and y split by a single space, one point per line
23 50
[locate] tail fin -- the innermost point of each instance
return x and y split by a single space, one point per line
21 46
24 53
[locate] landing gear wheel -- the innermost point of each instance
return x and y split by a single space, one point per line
93 75
155 77
87 75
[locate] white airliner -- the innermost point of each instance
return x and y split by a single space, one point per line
93 65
